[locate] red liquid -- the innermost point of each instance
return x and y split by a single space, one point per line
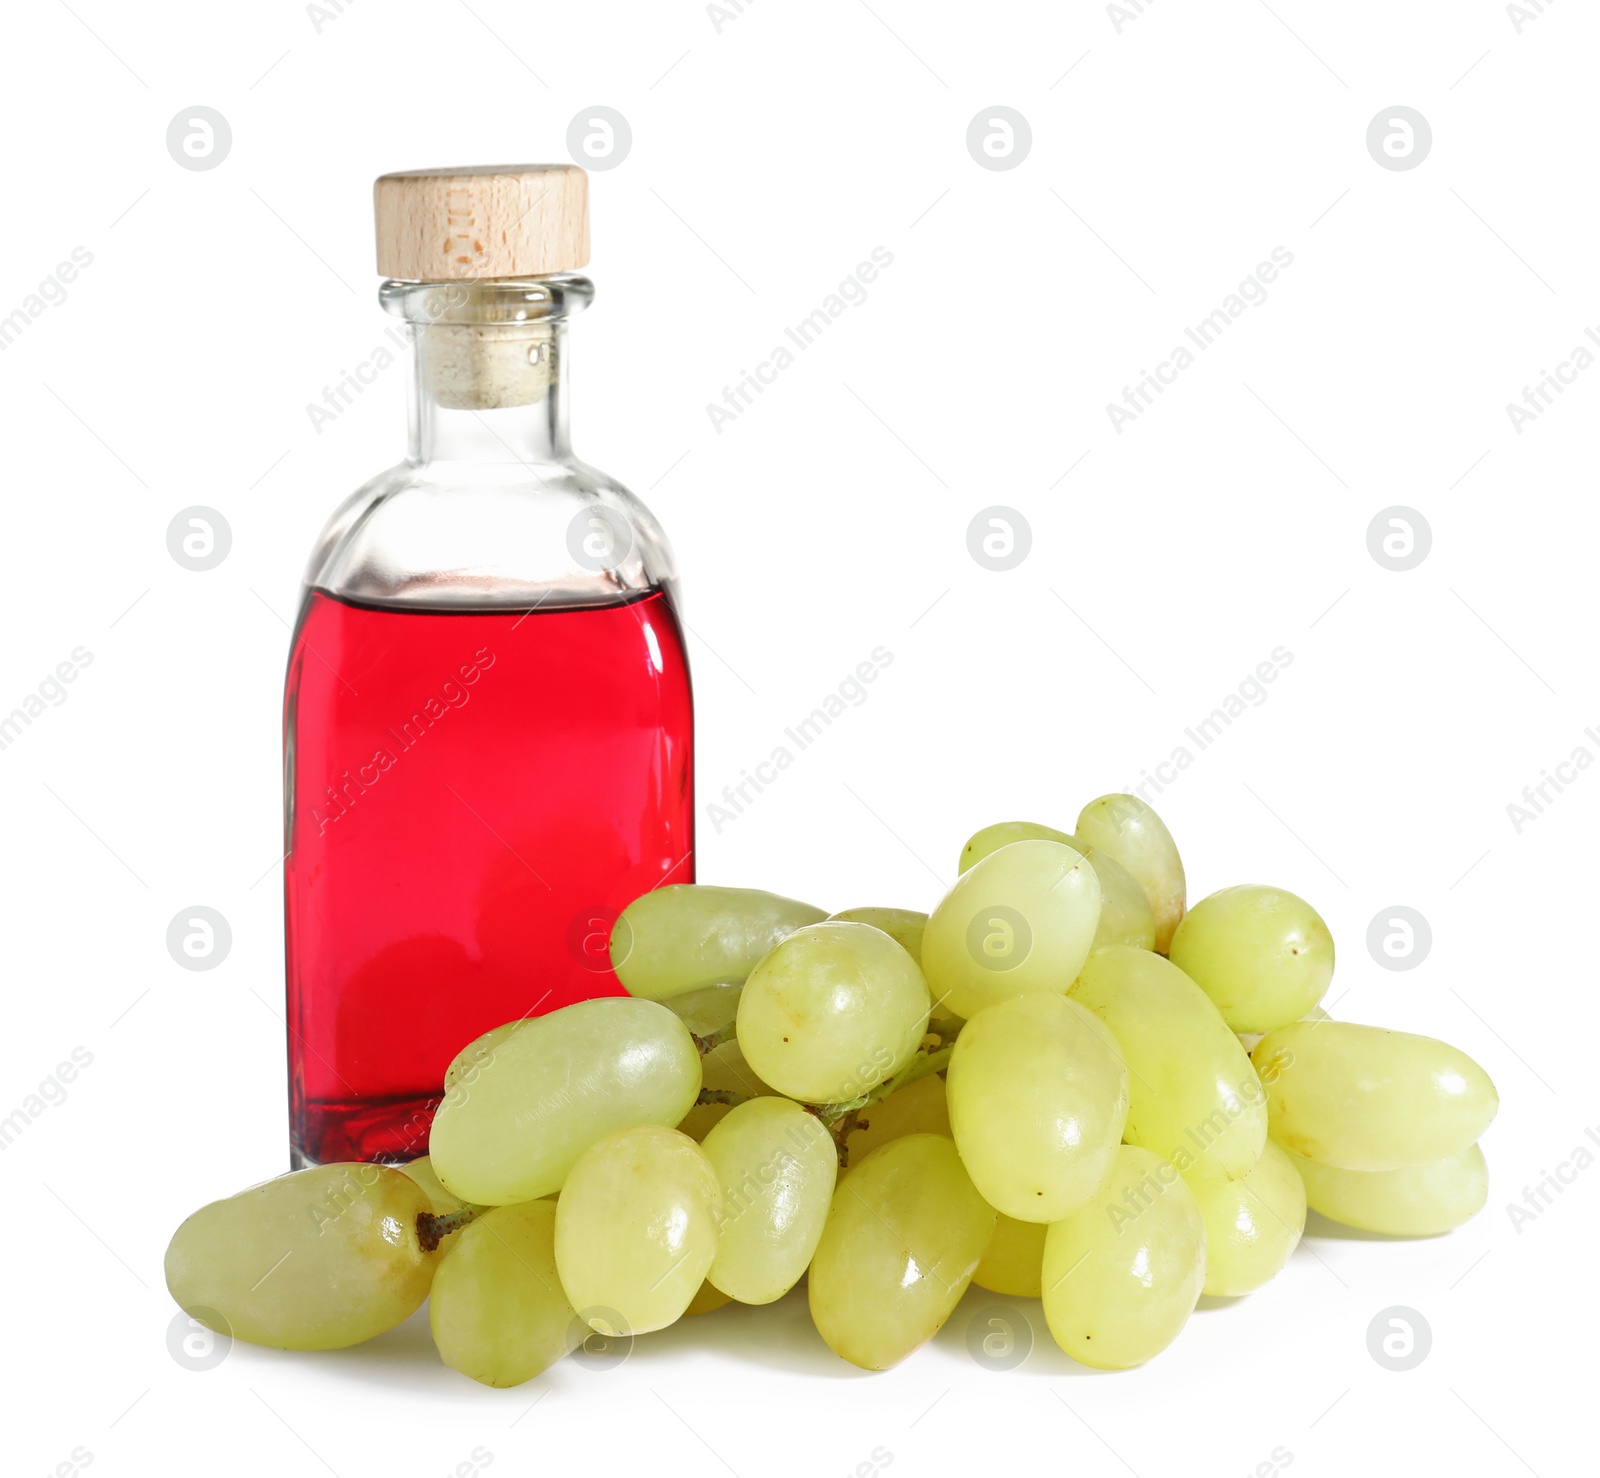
472 799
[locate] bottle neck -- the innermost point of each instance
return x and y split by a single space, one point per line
488 399
488 368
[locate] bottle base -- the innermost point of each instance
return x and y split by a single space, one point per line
378 1130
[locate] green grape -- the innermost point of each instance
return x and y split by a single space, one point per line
1127 829
1263 955
776 1166
442 1201
723 1070
1248 1040
903 925
1038 1098
990 839
1418 1201
1125 913
831 1011
709 1009
511 1127
314 1260
1196 1100
498 1310
1015 1258
708 1300
1022 919
478 1051
1122 1276
903 1236
918 1108
686 936
1252 1225
636 1228
1364 1098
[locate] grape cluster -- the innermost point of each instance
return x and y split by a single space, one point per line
1059 1085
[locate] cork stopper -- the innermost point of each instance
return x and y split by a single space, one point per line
505 220
486 367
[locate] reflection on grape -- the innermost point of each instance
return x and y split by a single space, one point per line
498 1311
1252 1225
1122 1276
776 1166
510 1129
904 1234
1363 1098
1038 1098
314 1260
636 1227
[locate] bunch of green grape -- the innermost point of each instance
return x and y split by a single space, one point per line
1061 1084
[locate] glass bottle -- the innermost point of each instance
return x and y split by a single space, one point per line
488 746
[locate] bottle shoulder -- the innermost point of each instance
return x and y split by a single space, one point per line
515 535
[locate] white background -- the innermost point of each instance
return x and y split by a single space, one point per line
769 157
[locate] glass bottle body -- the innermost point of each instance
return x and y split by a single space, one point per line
487 730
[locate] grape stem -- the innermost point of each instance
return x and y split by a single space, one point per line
840 1118
712 1040
432 1228
721 1095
